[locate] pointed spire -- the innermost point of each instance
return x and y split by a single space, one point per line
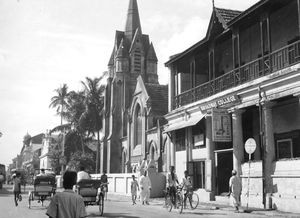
135 38
133 20
121 50
151 56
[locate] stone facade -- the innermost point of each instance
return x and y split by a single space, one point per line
134 103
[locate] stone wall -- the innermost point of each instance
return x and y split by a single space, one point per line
119 183
286 185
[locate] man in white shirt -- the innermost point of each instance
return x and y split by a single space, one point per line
235 189
82 174
145 185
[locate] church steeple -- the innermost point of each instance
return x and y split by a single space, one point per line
133 20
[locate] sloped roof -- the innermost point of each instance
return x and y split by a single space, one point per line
151 53
37 139
158 98
226 15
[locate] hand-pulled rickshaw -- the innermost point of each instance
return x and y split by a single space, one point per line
44 187
92 192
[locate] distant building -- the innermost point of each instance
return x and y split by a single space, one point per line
49 142
241 81
31 152
135 103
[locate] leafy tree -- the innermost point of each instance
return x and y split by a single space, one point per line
82 159
91 119
59 101
56 157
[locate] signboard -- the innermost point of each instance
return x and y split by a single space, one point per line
220 102
199 140
221 126
250 146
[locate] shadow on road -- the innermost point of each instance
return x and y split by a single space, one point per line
123 215
206 214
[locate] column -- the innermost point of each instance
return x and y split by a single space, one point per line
128 160
269 145
237 140
144 129
168 152
171 88
210 160
172 149
298 3
189 146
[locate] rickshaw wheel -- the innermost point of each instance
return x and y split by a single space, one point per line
101 203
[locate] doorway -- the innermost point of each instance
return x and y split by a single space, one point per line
224 166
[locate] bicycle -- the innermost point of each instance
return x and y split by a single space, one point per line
177 203
192 197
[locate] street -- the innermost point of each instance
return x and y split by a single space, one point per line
120 206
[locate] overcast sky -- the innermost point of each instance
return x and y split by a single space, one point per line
45 43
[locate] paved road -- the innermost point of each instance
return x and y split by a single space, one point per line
118 206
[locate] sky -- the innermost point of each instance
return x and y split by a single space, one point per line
46 43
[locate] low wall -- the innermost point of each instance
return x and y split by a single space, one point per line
286 186
119 183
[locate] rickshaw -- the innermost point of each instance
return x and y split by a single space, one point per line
44 187
92 192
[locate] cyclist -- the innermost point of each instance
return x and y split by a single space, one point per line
186 185
172 180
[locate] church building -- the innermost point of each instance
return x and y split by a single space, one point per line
135 104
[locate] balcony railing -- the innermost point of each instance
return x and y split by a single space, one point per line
277 60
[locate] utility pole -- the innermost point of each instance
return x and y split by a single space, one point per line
262 145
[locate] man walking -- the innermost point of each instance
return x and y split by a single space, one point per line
145 185
235 189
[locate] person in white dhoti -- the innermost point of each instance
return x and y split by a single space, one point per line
235 189
145 187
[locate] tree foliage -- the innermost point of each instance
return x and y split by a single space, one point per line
83 112
59 101
78 159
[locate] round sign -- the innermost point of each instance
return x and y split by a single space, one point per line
250 145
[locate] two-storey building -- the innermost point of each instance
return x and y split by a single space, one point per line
241 81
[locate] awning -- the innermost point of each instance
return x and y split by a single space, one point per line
184 123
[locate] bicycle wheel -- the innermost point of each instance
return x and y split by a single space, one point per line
101 203
179 203
20 197
168 203
194 200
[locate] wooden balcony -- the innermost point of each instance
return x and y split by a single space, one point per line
267 64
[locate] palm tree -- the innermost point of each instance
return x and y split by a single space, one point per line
60 101
76 107
91 119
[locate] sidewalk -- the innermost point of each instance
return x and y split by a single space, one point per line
211 205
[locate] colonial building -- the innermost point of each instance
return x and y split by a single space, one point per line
49 142
241 81
135 103
31 152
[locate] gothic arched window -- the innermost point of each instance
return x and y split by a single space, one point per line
138 126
